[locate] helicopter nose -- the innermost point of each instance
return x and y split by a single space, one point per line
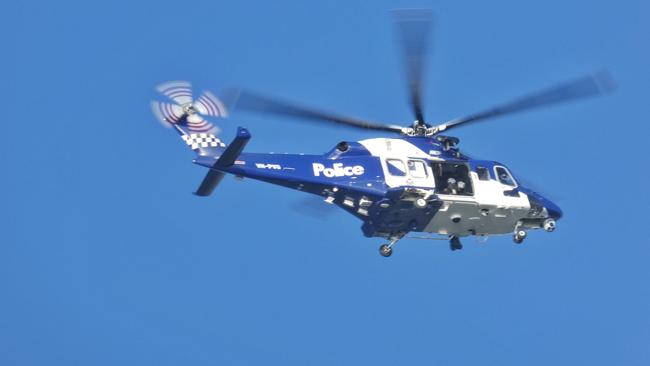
554 211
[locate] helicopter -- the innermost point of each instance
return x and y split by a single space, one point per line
416 180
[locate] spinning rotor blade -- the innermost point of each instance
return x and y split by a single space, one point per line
413 27
198 124
186 112
178 91
167 113
210 105
313 206
249 101
588 86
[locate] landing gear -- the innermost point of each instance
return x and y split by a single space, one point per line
455 244
386 250
519 236
549 225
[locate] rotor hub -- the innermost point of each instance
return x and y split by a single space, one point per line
189 109
419 128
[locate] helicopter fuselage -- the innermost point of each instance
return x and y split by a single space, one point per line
401 185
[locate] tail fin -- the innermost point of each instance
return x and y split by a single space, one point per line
215 175
186 116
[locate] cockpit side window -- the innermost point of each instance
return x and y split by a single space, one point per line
483 173
417 169
396 167
504 176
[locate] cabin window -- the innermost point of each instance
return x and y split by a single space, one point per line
452 178
417 169
396 167
504 176
483 173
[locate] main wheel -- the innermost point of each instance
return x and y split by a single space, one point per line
385 250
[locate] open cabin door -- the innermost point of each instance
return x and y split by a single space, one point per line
452 178
459 214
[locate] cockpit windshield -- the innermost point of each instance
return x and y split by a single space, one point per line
504 176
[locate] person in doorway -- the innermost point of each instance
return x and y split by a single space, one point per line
452 186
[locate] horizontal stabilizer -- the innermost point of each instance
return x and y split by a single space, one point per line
227 159
209 183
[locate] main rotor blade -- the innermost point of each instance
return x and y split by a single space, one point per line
592 85
314 206
413 27
252 102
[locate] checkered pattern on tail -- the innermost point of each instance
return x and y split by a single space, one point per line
202 140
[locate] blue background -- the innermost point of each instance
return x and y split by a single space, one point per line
106 258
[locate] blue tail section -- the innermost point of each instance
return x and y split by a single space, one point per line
227 159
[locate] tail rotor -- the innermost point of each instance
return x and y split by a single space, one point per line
185 112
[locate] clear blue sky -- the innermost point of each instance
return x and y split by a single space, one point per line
107 259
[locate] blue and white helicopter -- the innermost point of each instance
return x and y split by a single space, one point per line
415 180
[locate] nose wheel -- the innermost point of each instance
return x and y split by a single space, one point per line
549 225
